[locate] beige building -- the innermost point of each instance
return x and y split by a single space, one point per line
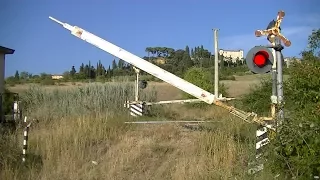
234 54
57 77
290 60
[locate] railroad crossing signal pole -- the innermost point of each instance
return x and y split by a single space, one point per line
273 33
261 60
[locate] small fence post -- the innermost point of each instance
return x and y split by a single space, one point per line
25 139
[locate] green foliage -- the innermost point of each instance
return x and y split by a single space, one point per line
294 153
298 144
258 100
305 82
9 150
47 81
202 78
314 41
175 61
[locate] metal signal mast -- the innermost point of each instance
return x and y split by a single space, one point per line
261 60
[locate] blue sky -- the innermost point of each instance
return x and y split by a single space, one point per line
43 46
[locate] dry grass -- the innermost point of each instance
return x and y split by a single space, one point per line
68 146
78 126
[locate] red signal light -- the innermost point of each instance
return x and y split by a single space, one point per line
260 59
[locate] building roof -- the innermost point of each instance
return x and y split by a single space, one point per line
56 74
231 50
5 50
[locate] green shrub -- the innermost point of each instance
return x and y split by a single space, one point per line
8 99
203 79
47 81
258 100
295 150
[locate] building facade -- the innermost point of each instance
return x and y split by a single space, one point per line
290 60
233 54
56 77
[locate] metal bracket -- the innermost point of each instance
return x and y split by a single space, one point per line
274 31
136 70
278 47
274 99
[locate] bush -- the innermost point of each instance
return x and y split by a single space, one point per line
203 79
258 100
295 150
8 98
47 81
298 143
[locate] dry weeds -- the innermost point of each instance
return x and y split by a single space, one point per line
97 145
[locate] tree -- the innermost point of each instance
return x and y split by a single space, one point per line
92 74
192 53
177 61
188 63
45 76
187 50
312 53
16 75
238 63
109 72
73 71
314 42
66 75
24 75
114 65
86 71
81 69
120 64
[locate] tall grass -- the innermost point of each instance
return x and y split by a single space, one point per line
81 135
76 116
95 98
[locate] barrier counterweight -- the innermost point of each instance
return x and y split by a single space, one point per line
136 109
